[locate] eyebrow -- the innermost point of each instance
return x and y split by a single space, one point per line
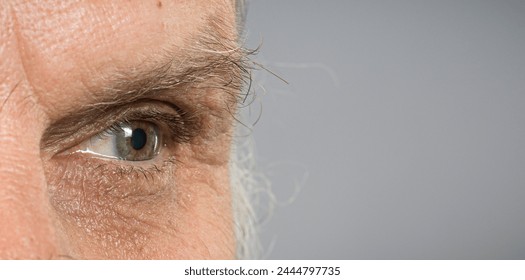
212 61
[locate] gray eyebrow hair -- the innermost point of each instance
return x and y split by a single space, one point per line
211 61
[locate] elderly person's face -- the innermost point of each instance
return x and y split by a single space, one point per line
115 124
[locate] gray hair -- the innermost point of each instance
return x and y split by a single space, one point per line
245 180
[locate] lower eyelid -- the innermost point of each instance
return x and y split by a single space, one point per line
91 174
95 196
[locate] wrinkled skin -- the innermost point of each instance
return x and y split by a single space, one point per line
55 56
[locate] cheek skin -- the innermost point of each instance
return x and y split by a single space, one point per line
206 214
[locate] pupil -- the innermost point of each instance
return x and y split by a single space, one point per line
138 138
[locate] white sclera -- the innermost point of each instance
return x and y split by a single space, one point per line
118 143
104 145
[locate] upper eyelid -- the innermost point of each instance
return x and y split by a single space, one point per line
62 136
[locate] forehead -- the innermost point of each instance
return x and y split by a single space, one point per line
64 26
65 44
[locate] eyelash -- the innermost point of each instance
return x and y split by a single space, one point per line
178 125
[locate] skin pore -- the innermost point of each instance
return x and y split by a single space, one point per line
75 70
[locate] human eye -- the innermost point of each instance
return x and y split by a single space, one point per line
128 151
140 132
133 140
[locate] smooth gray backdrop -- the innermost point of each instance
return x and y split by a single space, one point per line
401 134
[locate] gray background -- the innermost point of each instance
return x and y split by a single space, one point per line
401 134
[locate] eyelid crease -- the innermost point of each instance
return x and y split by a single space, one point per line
65 134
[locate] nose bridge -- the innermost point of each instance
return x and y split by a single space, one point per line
26 229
